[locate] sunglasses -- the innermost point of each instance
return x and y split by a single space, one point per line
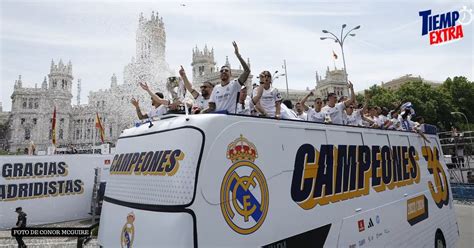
350 107
224 70
203 87
319 102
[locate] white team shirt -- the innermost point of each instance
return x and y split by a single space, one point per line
287 113
303 116
315 116
268 100
225 97
200 102
245 108
406 125
381 120
354 119
161 110
336 113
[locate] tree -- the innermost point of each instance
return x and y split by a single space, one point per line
462 93
434 104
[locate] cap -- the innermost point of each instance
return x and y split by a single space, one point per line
18 209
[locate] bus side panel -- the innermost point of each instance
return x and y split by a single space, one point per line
123 226
219 221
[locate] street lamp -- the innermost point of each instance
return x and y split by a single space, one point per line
465 117
340 40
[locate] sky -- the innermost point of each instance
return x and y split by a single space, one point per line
98 37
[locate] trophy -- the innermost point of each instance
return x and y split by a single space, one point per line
177 92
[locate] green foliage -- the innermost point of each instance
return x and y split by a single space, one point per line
462 92
435 104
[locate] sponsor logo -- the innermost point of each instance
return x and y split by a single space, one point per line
349 171
352 246
371 223
386 231
361 242
378 235
370 238
244 191
361 225
128 232
417 209
444 27
377 219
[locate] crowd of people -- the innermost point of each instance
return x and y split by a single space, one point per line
234 97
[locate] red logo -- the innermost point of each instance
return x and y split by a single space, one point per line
361 225
107 161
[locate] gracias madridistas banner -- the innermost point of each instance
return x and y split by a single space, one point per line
49 188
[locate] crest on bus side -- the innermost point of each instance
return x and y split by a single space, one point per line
244 191
128 232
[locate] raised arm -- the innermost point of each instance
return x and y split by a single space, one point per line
153 95
353 97
243 77
188 84
256 98
303 101
278 110
137 108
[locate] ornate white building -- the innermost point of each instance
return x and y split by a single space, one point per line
32 108
333 82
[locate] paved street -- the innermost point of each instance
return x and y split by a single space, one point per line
465 214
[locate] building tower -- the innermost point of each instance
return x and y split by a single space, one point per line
151 39
60 77
113 81
78 92
203 63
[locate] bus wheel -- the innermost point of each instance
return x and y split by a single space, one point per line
439 239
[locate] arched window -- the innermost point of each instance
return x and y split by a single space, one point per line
22 121
60 134
36 104
27 134
24 103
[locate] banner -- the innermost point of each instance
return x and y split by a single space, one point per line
49 188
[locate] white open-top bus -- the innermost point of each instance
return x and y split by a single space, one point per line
234 181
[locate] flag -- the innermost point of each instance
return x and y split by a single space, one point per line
334 54
98 124
53 128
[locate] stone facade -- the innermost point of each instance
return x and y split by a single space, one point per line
334 82
396 83
32 108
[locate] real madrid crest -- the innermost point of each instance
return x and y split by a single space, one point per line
128 232
244 191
